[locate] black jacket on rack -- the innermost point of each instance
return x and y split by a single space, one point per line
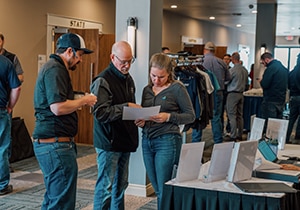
196 87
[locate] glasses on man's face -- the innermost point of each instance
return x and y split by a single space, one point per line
124 62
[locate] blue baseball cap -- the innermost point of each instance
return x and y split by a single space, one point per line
72 40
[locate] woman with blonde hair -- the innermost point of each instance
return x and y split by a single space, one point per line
162 139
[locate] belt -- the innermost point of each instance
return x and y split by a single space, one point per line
234 92
55 139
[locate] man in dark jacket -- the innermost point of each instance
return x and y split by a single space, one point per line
294 103
114 138
274 84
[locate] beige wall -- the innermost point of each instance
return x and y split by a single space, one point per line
23 23
175 26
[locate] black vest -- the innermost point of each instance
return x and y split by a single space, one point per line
124 133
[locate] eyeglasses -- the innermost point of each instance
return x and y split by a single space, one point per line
123 62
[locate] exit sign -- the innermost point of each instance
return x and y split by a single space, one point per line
289 38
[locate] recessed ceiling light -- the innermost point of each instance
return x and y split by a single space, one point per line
238 25
174 6
212 17
254 11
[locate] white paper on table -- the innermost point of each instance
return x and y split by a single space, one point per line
130 113
277 129
257 128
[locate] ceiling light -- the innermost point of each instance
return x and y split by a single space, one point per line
212 17
238 25
254 11
173 6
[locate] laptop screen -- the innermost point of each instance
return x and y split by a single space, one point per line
266 151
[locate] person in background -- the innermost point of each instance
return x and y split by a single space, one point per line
18 68
162 139
13 58
274 83
165 50
56 122
218 67
227 60
114 138
294 103
10 91
235 98
251 75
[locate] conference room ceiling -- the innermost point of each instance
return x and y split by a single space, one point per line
229 13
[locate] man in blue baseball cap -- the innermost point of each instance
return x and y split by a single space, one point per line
56 122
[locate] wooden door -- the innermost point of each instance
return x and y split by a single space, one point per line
196 49
81 80
220 51
105 43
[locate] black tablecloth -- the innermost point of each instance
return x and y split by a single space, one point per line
187 198
252 106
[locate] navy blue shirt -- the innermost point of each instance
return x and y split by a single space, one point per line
294 79
274 82
53 85
8 80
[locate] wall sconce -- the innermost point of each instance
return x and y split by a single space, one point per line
263 48
131 33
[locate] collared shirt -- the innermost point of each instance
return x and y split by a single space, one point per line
218 67
53 86
239 79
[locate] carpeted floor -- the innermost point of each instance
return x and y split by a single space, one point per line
29 189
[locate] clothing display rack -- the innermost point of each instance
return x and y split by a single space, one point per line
190 71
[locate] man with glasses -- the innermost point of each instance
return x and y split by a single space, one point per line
274 84
114 138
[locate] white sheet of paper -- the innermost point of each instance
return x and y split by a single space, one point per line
130 113
277 129
257 128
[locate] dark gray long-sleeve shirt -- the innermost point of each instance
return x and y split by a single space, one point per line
174 100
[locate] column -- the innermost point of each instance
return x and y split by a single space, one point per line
265 34
148 41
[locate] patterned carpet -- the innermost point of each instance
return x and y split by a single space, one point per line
29 189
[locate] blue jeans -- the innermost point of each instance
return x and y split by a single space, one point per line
59 166
216 123
160 155
294 105
5 132
196 135
112 179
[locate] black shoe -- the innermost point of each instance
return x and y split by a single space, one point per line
6 190
233 139
239 138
